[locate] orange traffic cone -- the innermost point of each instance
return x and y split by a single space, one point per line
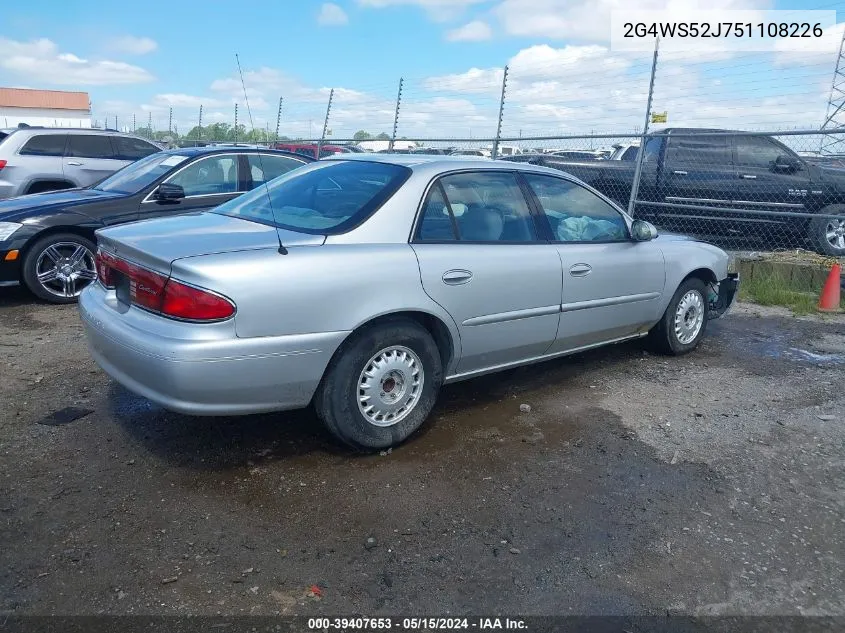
829 298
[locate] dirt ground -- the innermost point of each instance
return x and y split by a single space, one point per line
637 484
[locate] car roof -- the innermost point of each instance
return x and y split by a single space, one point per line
229 149
436 164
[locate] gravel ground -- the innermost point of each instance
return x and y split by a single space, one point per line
636 484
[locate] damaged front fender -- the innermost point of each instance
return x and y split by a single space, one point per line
722 295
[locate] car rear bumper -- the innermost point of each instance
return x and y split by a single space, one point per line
192 374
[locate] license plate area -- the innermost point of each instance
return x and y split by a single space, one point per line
122 288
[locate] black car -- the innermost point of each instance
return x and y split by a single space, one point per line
47 239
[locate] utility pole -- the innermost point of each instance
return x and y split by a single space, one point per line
236 123
133 123
115 123
835 115
279 118
150 125
170 122
635 188
199 124
495 152
325 123
396 115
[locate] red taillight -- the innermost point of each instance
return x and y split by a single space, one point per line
157 293
3 163
105 268
186 302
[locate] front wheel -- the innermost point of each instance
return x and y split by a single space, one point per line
685 320
827 234
381 385
58 267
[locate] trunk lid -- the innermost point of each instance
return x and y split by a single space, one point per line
156 243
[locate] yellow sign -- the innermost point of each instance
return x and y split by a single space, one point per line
659 117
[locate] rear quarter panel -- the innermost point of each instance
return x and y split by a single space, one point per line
328 288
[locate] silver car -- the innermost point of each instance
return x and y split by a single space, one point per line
362 283
35 159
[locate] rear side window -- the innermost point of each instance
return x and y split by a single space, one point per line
327 198
128 148
89 146
265 167
44 145
699 149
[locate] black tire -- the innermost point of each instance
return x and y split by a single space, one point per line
664 337
818 228
336 400
30 264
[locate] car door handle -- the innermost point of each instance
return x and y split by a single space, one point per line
74 163
456 277
749 176
580 270
680 172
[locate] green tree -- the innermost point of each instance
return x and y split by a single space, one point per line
144 132
383 137
361 135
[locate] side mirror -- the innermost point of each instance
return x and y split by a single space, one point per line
169 191
786 164
643 231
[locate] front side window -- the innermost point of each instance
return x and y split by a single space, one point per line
209 176
44 145
755 151
652 150
89 146
324 198
575 213
264 167
487 206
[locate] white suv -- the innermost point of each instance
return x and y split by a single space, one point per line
33 159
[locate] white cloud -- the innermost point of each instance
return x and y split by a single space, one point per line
40 61
475 31
179 100
133 45
804 51
589 20
438 10
332 15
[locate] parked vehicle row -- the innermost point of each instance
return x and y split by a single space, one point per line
47 239
725 183
361 283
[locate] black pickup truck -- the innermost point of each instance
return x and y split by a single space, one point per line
721 182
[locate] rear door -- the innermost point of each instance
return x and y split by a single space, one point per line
89 158
41 160
207 181
698 170
482 259
611 284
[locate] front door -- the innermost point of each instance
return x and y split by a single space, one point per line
90 158
208 182
611 284
480 258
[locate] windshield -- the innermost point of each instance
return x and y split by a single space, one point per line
140 174
323 198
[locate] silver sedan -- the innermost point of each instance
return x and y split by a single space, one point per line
362 283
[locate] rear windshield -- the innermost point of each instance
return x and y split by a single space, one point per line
325 198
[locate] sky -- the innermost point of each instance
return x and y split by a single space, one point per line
563 77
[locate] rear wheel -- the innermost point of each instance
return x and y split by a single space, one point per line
57 268
828 234
381 385
685 320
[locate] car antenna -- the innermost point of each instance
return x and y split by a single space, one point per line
282 249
